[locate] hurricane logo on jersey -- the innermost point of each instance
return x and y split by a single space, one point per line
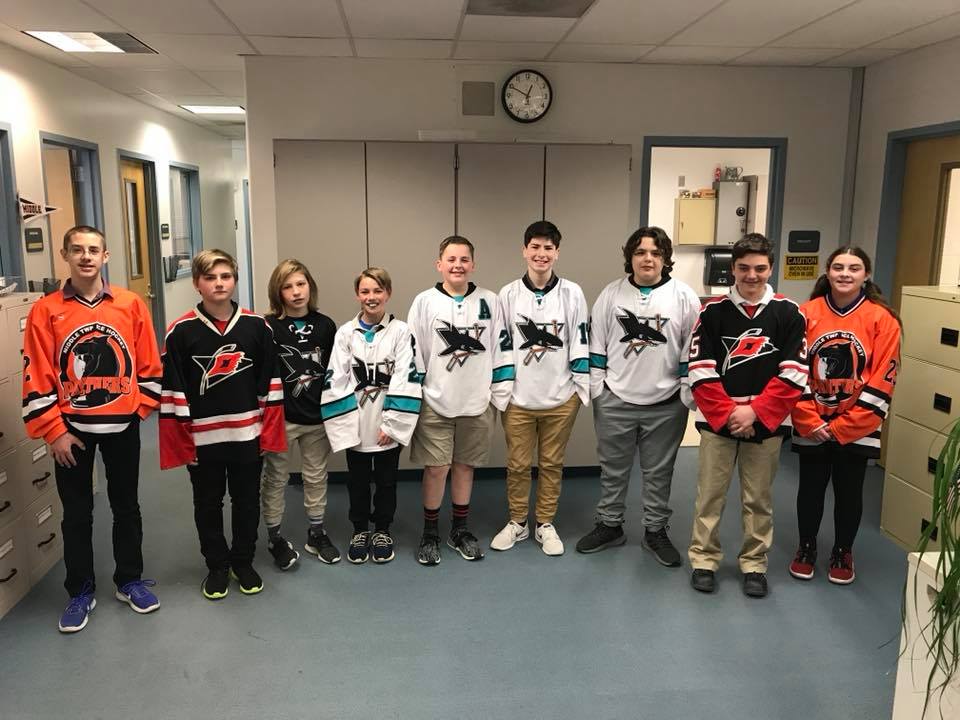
303 368
372 378
539 339
746 347
95 366
226 362
641 331
462 342
837 360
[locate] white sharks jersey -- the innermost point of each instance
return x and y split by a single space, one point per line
373 386
543 350
638 336
456 338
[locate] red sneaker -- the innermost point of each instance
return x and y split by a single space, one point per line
841 567
804 563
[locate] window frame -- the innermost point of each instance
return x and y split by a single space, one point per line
192 173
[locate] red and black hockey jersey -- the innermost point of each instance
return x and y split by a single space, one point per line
221 400
738 359
854 355
91 363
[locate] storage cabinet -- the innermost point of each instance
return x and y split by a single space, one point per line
926 403
694 221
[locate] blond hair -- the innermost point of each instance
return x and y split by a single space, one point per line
204 261
279 276
380 276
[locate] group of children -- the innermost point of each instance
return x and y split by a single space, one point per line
236 390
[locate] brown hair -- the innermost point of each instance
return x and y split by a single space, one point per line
455 240
204 261
380 276
870 288
279 276
753 244
81 230
660 240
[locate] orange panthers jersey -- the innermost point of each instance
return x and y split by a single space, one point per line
91 363
853 354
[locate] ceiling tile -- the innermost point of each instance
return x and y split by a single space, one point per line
753 22
201 52
109 79
168 82
229 83
31 45
178 99
866 22
861 58
943 29
693 55
785 56
633 22
502 51
168 16
587 52
308 47
290 18
164 104
514 29
403 48
133 60
53 15
421 19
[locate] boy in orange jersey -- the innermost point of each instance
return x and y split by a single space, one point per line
91 374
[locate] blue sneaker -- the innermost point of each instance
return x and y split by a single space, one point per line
74 618
136 595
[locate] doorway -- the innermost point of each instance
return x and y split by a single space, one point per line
138 202
11 263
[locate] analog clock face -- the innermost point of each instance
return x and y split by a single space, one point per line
527 96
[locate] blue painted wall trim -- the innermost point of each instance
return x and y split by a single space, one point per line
10 252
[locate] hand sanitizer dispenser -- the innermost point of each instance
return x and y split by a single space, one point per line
717 267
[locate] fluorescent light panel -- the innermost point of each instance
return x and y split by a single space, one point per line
75 42
214 109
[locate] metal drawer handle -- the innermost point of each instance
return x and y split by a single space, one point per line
41 480
949 336
9 577
942 402
4 506
47 541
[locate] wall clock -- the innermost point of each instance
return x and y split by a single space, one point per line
526 96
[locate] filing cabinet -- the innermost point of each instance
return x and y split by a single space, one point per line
926 404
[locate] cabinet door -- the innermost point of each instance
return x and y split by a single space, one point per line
695 220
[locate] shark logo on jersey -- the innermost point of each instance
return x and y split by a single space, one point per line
226 362
538 340
461 344
301 374
641 331
746 347
372 378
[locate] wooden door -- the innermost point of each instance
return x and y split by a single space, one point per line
133 200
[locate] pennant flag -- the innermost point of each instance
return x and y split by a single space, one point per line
30 210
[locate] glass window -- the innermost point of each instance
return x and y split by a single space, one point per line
184 217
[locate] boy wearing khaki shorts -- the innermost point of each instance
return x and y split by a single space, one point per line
453 325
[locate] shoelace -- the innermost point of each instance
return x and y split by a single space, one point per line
137 589
80 603
381 540
806 555
839 560
360 539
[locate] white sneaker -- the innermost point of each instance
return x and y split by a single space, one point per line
547 536
511 534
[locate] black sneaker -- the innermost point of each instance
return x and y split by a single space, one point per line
704 580
663 550
249 579
429 551
381 546
359 549
319 544
217 584
464 542
284 556
755 584
600 538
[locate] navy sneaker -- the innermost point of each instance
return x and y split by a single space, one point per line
74 618
136 595
382 546
359 550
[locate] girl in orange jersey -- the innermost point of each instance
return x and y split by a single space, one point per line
853 345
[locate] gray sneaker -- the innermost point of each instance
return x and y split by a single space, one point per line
429 551
600 538
663 550
464 542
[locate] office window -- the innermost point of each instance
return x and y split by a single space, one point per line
185 234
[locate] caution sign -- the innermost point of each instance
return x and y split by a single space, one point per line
800 267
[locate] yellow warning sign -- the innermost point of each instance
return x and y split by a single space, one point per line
800 267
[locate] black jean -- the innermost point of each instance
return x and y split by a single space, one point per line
121 459
846 467
210 481
379 468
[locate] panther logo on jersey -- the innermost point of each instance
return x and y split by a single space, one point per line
746 347
461 344
95 366
303 368
538 341
837 363
226 362
372 378
641 335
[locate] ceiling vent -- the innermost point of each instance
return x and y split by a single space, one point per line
529 8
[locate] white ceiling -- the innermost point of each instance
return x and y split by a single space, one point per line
200 41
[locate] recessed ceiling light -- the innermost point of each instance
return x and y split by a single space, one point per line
214 109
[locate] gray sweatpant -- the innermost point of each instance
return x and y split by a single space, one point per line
656 430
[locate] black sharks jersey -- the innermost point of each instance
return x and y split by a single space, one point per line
303 351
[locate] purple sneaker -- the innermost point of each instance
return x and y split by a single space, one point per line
136 595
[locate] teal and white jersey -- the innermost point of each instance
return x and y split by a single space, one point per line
543 351
456 338
372 385
639 336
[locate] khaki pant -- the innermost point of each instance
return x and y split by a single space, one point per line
549 431
758 464
314 451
